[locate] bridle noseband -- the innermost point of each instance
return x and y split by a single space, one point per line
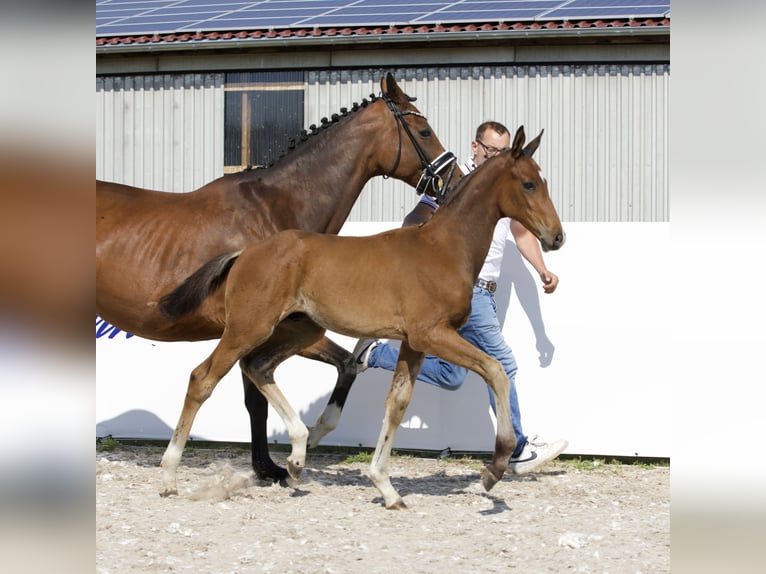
431 180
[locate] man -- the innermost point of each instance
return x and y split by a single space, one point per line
483 327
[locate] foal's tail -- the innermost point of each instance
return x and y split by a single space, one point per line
198 286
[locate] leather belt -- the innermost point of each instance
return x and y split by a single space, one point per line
488 285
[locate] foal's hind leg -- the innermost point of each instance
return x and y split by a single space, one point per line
257 406
407 368
202 381
329 352
295 428
258 409
292 335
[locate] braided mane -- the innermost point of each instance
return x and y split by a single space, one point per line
313 130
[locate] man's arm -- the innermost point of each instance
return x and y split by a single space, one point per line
529 247
421 213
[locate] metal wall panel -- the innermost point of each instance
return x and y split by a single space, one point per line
161 132
606 130
604 150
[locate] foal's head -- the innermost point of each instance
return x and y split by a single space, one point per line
525 196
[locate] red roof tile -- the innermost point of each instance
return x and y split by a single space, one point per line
222 37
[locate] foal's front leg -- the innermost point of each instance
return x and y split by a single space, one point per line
407 368
450 346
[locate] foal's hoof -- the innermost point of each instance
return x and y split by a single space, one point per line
168 492
488 479
398 505
294 469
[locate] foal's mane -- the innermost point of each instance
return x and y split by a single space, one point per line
313 130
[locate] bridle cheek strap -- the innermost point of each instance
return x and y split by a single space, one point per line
431 180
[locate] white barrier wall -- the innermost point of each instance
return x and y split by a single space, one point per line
591 363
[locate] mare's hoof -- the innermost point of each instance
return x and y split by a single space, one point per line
488 479
168 492
271 474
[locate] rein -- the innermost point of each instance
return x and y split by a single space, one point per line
431 179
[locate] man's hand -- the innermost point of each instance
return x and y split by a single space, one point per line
550 281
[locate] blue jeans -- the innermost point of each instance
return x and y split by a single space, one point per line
484 332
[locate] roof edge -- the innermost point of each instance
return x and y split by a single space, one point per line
392 35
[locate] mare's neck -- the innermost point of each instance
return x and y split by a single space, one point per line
319 181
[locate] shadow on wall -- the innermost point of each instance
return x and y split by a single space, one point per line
137 423
516 275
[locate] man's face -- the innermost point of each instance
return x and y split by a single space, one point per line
489 145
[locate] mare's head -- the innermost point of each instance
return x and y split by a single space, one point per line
408 148
525 197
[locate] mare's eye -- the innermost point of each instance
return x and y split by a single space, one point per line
425 133
529 185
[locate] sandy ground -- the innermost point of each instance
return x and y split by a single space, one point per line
570 517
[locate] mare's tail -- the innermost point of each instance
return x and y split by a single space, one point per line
198 286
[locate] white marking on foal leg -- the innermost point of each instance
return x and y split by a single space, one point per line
327 422
295 428
169 465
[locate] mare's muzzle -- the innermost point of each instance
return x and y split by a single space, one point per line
434 180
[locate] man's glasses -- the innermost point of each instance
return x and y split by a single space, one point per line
489 150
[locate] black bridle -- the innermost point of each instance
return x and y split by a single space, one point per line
431 181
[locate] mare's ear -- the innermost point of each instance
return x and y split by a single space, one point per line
518 143
533 145
389 86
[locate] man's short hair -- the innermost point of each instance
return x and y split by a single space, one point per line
494 126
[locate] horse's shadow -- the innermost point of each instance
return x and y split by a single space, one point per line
435 484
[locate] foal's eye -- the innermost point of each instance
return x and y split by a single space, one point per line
425 133
529 185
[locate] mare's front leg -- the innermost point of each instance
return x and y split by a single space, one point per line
407 368
329 352
258 409
202 381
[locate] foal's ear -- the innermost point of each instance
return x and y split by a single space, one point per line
389 86
533 145
518 142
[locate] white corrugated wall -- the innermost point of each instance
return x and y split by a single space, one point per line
606 130
161 131
604 150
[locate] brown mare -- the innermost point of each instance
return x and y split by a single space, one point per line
412 284
148 242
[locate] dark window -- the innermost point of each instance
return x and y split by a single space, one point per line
264 111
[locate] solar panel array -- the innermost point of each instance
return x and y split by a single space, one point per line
130 17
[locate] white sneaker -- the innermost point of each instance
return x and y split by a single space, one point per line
362 352
536 452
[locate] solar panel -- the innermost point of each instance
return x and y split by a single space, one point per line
132 17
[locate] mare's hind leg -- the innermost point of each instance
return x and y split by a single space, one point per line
291 336
257 406
407 368
329 352
258 409
202 381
